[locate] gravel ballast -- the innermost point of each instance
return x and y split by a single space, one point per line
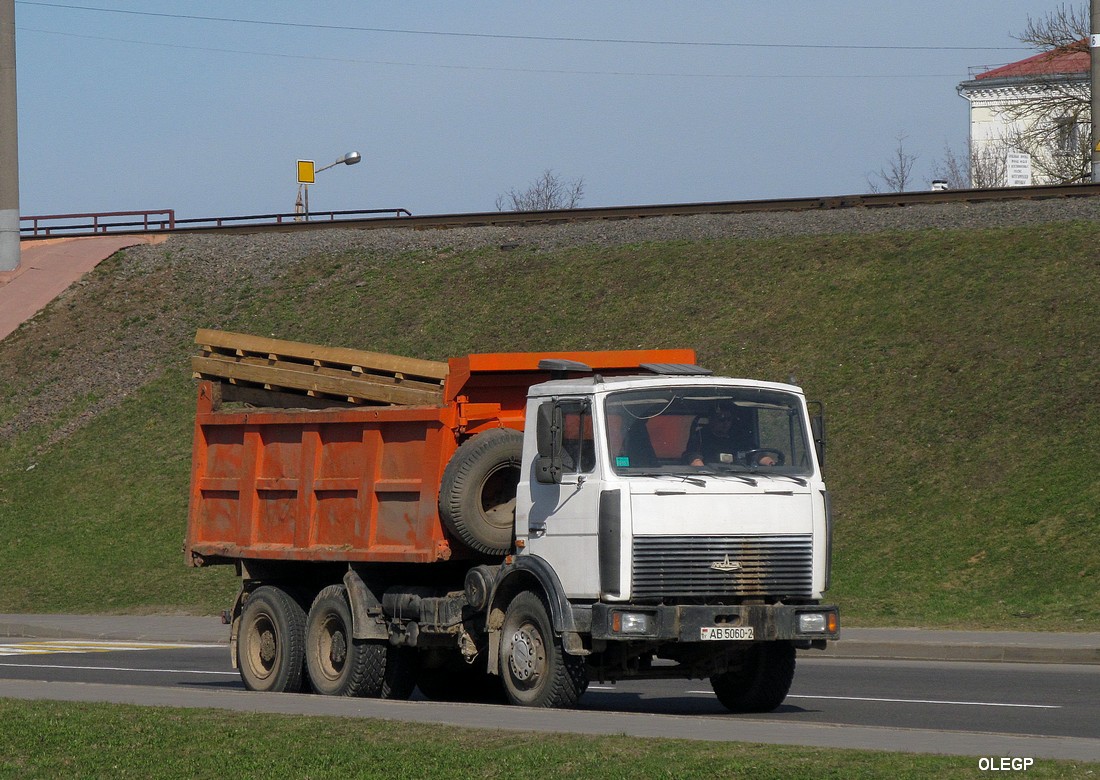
278 248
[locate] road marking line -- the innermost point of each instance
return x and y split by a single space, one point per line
97 646
915 701
113 668
931 701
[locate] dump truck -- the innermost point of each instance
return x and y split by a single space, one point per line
508 526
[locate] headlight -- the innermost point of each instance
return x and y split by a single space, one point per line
631 623
813 622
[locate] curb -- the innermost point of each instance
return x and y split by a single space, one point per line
965 651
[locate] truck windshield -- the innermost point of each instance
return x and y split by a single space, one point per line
692 430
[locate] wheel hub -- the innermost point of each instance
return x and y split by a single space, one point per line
338 652
267 647
523 657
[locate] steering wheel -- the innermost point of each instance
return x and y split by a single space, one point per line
752 457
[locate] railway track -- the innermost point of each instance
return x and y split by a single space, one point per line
368 220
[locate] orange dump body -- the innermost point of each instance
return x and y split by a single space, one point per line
355 484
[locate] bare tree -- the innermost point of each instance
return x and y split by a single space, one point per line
983 166
897 174
1053 124
989 164
545 193
1065 27
1060 148
952 169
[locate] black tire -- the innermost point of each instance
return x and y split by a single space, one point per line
271 642
536 670
762 682
477 497
339 664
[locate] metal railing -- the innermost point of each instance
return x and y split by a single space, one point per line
279 219
64 225
366 219
47 225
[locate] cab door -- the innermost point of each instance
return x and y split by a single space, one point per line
562 522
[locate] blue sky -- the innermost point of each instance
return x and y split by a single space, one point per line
452 104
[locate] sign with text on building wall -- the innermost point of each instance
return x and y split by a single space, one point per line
1018 169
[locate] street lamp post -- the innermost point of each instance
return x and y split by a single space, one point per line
306 174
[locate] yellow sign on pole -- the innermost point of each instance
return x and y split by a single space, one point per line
305 172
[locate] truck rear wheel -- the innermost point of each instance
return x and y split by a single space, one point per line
477 497
339 664
536 670
762 682
270 643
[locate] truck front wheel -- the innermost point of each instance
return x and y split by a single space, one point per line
762 681
270 641
339 664
536 670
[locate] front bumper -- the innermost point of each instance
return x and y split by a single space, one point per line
627 622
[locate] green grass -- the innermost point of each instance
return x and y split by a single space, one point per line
958 370
49 740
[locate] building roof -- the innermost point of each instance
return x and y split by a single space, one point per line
1072 59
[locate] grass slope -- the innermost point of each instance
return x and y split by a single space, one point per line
958 371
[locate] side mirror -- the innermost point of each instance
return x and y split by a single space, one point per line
548 466
817 428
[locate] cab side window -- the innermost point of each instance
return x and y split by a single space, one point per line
578 443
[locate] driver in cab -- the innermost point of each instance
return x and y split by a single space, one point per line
724 439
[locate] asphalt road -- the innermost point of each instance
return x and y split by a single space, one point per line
964 708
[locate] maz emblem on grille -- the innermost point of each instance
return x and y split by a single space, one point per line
726 564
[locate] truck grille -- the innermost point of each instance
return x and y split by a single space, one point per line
748 566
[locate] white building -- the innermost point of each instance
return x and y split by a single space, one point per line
1038 106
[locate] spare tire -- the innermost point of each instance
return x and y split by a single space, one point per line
477 498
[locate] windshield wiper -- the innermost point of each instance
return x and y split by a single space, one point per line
731 473
796 480
680 477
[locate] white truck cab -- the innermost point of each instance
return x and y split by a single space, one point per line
685 517
730 527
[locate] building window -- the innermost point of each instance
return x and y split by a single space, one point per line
1069 134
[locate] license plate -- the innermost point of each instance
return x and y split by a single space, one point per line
722 633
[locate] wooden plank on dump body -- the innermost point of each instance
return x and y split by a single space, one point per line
314 370
328 370
351 387
220 340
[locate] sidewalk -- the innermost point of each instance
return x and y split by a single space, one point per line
885 643
138 628
48 267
